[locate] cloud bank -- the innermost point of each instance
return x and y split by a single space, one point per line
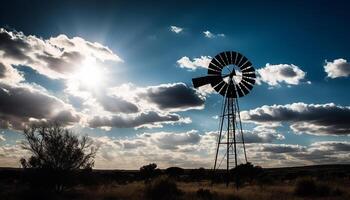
315 119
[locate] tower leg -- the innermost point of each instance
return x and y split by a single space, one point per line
228 143
233 105
220 133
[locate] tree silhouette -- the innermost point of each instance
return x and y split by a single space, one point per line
149 171
56 154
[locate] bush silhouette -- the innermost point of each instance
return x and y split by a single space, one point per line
56 156
174 171
245 173
308 187
148 172
162 188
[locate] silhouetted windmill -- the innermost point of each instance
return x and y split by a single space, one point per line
231 75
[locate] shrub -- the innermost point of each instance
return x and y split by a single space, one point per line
162 188
174 171
148 172
307 187
204 194
245 173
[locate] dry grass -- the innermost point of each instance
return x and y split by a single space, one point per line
136 190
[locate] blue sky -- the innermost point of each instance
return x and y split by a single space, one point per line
141 64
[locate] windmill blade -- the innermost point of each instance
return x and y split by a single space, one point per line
216 63
223 90
228 55
247 84
200 81
217 87
245 65
242 61
213 71
238 59
218 59
244 89
239 91
248 69
251 75
215 68
249 80
224 58
234 58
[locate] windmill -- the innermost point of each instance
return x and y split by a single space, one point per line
230 74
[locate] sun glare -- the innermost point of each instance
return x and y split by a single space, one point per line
90 74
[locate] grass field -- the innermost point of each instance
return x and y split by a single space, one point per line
136 190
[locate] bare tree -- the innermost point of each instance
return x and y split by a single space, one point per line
56 152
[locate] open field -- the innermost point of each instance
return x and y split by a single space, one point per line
332 181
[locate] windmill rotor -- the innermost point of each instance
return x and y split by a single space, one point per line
216 77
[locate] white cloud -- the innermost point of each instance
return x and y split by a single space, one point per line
11 154
338 68
206 90
57 58
176 29
2 138
274 75
187 63
211 35
184 149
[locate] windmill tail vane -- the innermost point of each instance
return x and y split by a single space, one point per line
232 76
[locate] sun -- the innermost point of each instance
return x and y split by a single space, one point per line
89 74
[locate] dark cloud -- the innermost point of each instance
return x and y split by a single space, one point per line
173 96
273 155
288 72
117 104
263 137
131 121
64 64
13 46
133 144
20 103
316 119
2 71
282 148
165 140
